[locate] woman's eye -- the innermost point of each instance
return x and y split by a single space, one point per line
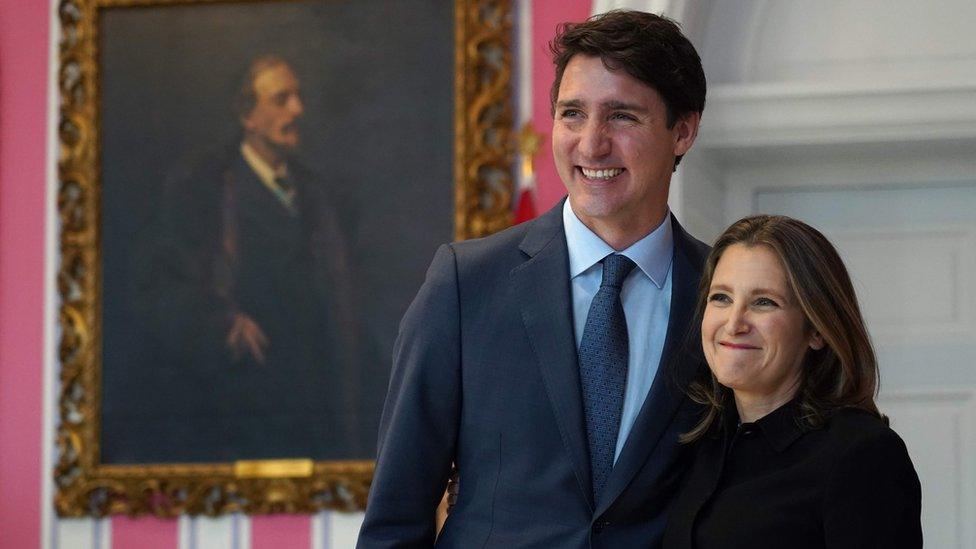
766 302
719 298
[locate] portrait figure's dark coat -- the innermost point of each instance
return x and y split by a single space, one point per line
227 245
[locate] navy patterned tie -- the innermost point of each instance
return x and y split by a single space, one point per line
603 368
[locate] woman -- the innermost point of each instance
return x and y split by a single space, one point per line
791 451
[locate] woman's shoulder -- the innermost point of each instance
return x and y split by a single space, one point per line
857 420
853 421
855 432
871 492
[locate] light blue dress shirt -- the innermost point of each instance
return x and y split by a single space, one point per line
646 297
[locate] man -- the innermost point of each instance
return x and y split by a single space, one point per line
253 290
547 362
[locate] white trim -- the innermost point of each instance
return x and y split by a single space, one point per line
320 530
102 533
78 533
49 382
650 6
961 240
676 194
524 46
344 528
931 394
242 531
757 115
896 168
667 8
523 93
965 398
203 532
756 21
186 532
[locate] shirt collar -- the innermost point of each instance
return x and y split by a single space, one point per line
782 427
652 254
267 174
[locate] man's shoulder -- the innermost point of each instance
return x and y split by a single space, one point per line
496 253
303 171
503 240
512 245
332 192
694 250
193 184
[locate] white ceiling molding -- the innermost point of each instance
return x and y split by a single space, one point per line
671 8
762 115
794 73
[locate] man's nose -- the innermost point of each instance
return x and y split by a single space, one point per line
594 141
295 105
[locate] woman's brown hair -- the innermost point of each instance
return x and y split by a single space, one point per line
844 373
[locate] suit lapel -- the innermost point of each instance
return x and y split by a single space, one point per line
542 287
678 364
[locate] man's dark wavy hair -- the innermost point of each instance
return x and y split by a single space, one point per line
247 97
648 47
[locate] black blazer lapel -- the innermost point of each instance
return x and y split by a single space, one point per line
680 359
542 287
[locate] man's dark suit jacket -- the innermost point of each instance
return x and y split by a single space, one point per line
485 376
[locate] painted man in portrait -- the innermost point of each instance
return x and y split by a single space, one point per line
251 293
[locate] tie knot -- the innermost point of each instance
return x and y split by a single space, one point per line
285 183
616 267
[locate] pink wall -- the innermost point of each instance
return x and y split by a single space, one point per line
24 50
23 111
546 17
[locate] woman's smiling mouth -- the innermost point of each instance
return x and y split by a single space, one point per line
737 345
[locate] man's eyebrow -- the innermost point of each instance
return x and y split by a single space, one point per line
622 106
573 103
613 105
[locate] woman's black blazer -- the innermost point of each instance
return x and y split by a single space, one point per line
777 484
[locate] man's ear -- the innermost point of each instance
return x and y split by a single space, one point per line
685 131
245 120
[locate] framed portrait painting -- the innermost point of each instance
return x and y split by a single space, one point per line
250 192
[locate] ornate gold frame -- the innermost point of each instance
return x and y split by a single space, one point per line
483 192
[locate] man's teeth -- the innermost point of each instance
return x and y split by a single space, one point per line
602 174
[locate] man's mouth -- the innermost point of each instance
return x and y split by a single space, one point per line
601 174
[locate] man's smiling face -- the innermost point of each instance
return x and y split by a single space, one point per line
612 146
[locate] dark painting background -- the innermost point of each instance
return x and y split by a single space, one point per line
377 84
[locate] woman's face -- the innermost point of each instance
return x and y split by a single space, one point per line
754 333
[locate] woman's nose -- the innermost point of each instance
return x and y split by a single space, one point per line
737 322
